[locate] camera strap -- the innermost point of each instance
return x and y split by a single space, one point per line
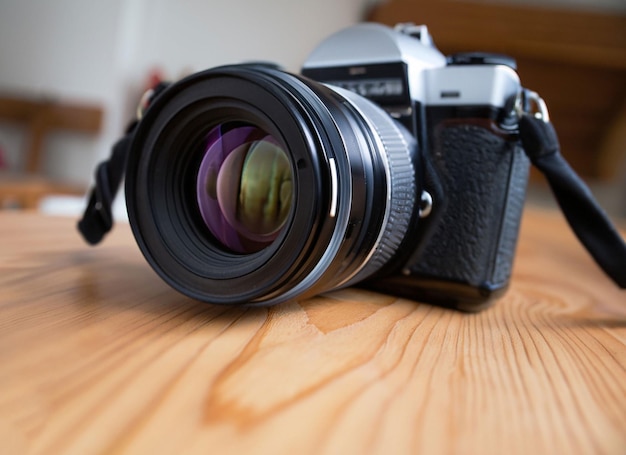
584 215
98 217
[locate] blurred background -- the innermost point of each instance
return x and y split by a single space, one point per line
72 72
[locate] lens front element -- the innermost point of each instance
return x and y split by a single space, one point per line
244 187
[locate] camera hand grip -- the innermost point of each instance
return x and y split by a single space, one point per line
484 175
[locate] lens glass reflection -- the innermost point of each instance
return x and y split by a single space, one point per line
244 187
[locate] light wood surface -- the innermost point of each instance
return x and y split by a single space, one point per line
97 355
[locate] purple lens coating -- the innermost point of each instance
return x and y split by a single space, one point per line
244 187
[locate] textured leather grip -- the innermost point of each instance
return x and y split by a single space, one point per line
484 176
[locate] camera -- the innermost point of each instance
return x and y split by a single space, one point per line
384 164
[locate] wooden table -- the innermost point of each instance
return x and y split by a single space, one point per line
97 355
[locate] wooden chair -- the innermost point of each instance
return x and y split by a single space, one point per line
576 60
39 118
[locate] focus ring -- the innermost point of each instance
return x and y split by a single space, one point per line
395 149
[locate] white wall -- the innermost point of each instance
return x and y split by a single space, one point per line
59 49
102 50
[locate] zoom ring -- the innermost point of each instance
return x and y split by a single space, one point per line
395 149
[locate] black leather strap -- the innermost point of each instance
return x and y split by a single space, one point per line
97 220
98 217
586 218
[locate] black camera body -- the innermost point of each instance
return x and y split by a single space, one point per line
385 164
462 110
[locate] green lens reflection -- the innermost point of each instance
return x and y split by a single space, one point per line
255 188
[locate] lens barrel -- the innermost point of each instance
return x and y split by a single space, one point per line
247 184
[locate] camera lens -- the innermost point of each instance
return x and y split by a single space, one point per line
247 184
244 187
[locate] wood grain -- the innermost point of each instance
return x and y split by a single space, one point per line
98 356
